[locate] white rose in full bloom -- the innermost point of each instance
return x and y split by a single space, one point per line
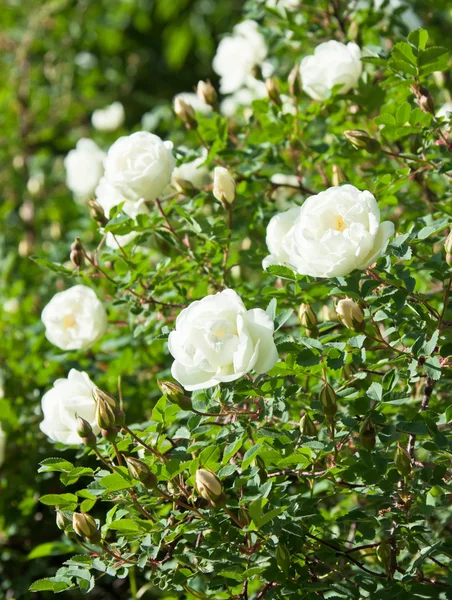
217 340
62 404
223 185
84 167
109 118
74 319
238 54
195 172
332 63
140 165
2 446
332 234
194 101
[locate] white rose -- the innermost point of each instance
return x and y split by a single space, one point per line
332 234
290 5
74 319
238 54
217 340
140 165
223 185
194 101
84 167
332 63
68 399
109 118
195 172
2 446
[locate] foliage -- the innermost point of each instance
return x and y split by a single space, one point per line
362 509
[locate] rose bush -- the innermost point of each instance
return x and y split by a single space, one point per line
252 433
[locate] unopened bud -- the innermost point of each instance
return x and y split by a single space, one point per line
449 259
350 314
273 90
294 81
208 485
106 397
327 399
361 139
384 553
175 394
120 417
283 558
97 213
90 440
105 416
76 255
367 435
82 427
425 100
185 112
402 461
85 526
220 501
307 317
312 333
338 176
61 521
307 426
183 185
110 434
223 185
206 92
140 471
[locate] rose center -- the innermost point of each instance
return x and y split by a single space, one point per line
340 224
69 321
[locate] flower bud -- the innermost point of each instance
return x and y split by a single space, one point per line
175 394
90 440
110 434
367 435
185 112
120 417
425 100
312 333
139 470
105 417
350 314
338 176
208 485
206 92
97 213
273 90
83 428
223 185
449 259
220 501
283 558
76 255
327 399
361 139
384 554
101 395
307 317
61 521
85 526
294 81
402 461
183 185
307 426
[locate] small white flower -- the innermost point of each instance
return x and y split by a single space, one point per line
195 172
139 165
290 5
68 399
216 340
194 101
332 234
74 319
2 446
109 118
223 185
332 63
84 167
238 54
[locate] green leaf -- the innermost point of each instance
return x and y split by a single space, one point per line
250 455
403 113
114 482
433 59
418 38
58 499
